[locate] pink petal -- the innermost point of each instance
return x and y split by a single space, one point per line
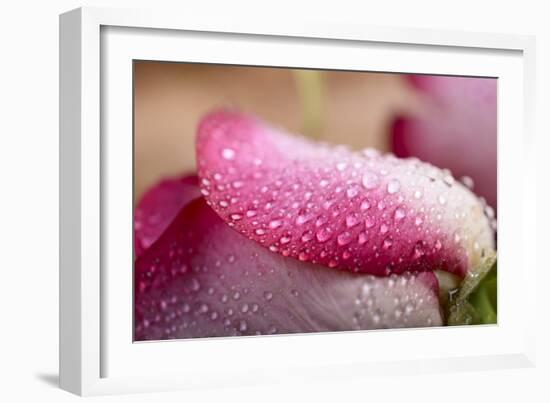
158 207
458 131
203 279
323 204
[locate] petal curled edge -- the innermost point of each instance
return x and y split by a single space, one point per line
202 279
359 211
158 207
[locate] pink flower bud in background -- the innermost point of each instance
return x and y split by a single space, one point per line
457 130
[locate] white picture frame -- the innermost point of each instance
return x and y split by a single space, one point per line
97 355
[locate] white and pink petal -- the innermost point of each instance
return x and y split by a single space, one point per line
203 279
359 211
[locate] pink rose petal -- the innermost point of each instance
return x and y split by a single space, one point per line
203 279
158 207
458 132
324 204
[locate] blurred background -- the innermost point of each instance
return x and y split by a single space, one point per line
449 121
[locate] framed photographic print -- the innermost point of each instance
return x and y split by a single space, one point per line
244 201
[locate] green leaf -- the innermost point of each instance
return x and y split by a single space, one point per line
475 301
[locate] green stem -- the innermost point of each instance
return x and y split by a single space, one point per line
310 86
475 301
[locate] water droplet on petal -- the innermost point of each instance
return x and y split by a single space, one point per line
468 182
399 213
365 205
320 221
284 240
307 236
228 153
195 285
370 153
370 222
275 224
441 199
352 191
341 166
328 204
344 238
303 256
268 296
324 234
456 237
302 219
370 180
352 220
418 250
449 180
393 186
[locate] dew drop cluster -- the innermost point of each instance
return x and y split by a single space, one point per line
359 211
